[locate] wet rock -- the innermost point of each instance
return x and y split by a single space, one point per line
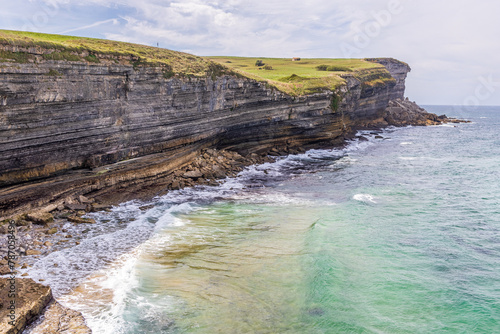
379 137
316 311
51 231
33 252
81 220
43 218
47 243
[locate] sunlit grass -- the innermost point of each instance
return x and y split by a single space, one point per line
299 77
296 78
73 49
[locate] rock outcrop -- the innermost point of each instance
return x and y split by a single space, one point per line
22 300
77 128
58 319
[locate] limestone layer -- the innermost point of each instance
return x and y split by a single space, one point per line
73 128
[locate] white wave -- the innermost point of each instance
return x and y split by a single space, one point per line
366 198
406 143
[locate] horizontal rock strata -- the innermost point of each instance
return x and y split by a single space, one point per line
76 128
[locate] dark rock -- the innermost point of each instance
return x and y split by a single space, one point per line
219 173
175 185
76 207
4 270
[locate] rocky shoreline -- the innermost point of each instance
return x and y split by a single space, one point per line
38 233
42 231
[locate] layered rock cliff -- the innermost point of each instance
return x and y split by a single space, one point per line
71 127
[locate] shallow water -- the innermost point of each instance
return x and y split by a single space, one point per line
393 235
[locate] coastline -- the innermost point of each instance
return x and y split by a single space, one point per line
41 233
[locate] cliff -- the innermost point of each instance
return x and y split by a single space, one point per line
90 126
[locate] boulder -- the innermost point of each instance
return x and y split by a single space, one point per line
40 217
195 174
84 200
33 252
175 185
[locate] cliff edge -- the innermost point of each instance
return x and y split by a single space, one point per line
92 117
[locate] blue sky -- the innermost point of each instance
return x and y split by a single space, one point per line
452 46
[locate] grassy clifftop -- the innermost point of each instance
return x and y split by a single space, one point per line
306 76
296 78
94 50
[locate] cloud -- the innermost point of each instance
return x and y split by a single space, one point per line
93 25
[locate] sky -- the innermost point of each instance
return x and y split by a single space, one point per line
453 47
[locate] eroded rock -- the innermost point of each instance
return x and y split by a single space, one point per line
28 302
39 217
58 319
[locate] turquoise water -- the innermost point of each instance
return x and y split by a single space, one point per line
399 234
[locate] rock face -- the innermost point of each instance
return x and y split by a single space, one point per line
58 319
75 128
29 300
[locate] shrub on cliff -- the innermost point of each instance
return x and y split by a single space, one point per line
333 68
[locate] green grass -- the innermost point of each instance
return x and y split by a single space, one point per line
74 48
294 78
301 77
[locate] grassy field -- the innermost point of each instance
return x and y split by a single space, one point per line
292 77
71 48
301 77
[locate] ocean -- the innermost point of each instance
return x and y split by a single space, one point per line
397 232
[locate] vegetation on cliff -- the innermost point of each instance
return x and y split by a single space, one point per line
302 77
31 47
306 76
